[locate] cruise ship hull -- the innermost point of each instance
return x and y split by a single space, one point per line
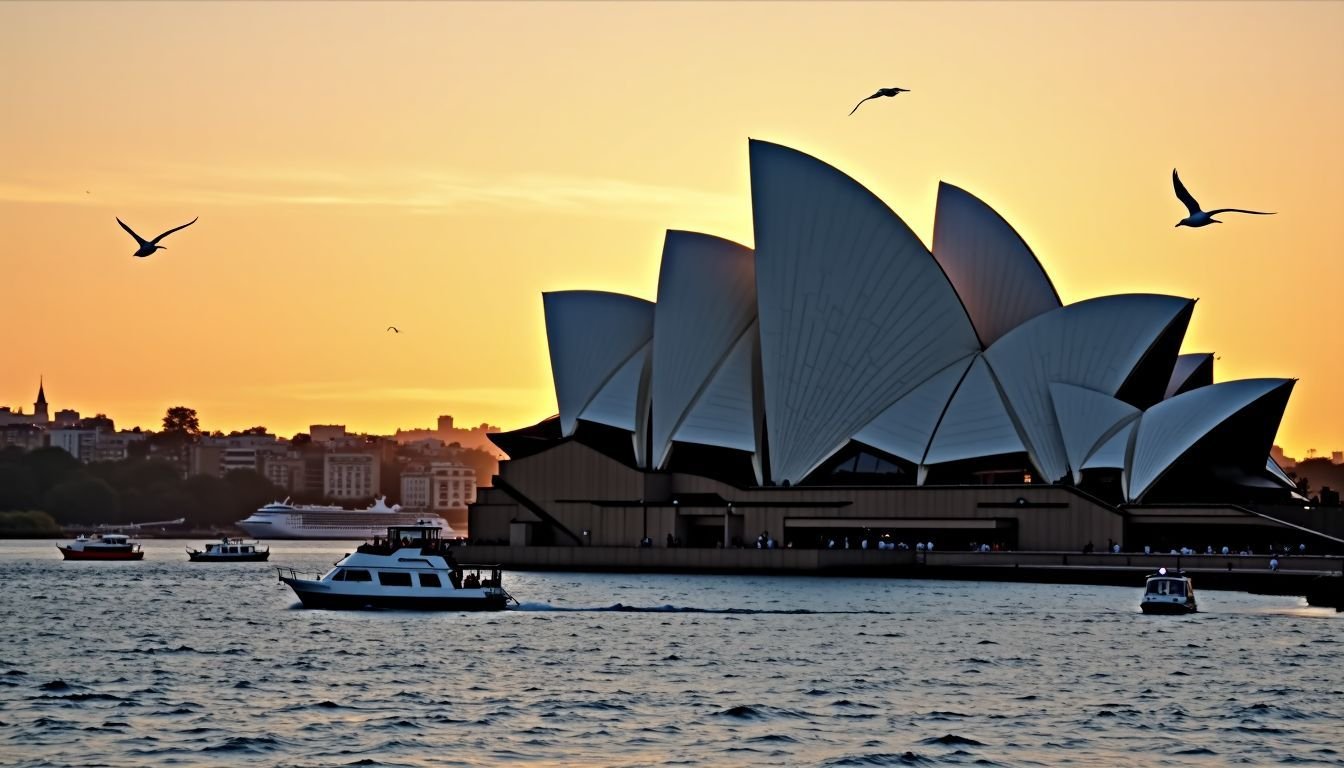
331 525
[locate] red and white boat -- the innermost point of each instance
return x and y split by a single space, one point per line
106 546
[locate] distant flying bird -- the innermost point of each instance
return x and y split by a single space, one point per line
880 92
394 329
1197 217
149 246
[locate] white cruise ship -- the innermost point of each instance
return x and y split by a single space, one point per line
282 520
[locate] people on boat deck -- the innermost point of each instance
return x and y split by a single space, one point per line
471 582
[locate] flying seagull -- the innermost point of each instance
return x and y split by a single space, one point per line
149 246
880 92
1197 217
394 329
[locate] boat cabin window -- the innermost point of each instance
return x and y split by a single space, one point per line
355 574
430 580
1166 587
394 578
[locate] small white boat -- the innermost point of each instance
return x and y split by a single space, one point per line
228 550
107 546
1168 593
411 569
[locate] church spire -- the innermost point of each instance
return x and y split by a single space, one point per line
40 407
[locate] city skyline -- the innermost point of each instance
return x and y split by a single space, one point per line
472 157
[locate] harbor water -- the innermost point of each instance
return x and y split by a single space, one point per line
165 662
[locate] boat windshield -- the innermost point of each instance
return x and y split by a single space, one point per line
1166 587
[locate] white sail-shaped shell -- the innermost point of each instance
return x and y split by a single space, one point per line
1190 371
906 428
994 271
592 335
1170 428
1113 453
616 403
854 311
725 413
1278 474
976 423
706 302
1094 344
1086 417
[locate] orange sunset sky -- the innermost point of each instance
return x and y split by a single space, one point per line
436 166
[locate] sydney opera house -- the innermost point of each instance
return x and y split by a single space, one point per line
840 378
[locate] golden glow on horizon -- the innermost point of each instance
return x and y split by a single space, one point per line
437 166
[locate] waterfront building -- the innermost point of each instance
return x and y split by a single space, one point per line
325 433
350 475
25 437
285 471
38 417
841 378
415 489
75 441
115 446
444 487
448 433
204 458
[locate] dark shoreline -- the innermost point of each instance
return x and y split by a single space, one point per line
1317 576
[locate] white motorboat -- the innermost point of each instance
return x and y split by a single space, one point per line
412 569
283 520
1168 593
106 546
228 550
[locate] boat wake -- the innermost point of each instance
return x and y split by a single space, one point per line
621 608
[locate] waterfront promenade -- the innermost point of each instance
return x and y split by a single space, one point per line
1249 573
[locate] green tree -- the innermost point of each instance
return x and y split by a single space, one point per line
213 502
18 487
83 500
180 420
134 475
50 466
251 489
28 524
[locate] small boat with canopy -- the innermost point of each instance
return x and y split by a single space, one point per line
228 550
1168 592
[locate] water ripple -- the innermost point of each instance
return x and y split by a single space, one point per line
203 666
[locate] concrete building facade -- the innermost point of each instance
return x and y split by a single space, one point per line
350 475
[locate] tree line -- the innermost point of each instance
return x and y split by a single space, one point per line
132 490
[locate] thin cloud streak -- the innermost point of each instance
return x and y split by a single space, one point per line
354 391
416 191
